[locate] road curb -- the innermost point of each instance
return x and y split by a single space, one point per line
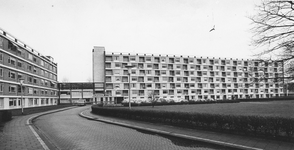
29 122
170 133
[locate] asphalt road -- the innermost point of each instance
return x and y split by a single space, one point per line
66 130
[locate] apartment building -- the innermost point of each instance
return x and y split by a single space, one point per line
27 78
184 77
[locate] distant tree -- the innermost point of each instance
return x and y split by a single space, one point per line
274 31
153 98
89 79
65 79
274 28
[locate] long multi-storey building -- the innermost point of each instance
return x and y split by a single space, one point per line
183 77
27 78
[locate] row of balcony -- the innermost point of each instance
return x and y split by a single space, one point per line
142 59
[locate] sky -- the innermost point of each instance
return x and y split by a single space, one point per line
68 30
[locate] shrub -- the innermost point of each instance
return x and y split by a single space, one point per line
5 115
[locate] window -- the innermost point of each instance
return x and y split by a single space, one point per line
163 66
12 88
1 72
42 101
41 72
148 71
11 61
132 58
125 58
35 70
34 59
35 91
134 78
1 87
42 82
149 78
30 56
11 75
12 101
1 57
1 102
117 65
36 102
35 81
149 65
107 65
19 76
133 71
30 79
29 67
31 101
116 72
42 62
31 90
148 59
19 64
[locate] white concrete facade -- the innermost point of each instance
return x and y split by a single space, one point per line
187 77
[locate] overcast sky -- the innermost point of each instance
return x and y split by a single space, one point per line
68 30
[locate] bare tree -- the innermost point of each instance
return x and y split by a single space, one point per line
153 98
89 79
274 28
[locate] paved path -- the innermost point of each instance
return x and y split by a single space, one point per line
212 137
18 135
67 131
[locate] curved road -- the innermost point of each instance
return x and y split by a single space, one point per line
67 130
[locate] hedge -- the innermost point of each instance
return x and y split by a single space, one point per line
180 103
273 127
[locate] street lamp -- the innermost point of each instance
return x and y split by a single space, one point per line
129 73
244 94
21 83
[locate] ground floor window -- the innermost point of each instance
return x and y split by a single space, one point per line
36 102
12 102
47 100
31 101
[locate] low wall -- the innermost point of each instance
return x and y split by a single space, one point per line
5 115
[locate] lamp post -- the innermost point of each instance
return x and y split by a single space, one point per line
129 73
283 77
244 83
21 83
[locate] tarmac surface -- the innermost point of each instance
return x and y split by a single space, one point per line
20 133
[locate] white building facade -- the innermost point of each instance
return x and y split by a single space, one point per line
181 78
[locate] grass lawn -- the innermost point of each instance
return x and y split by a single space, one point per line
270 108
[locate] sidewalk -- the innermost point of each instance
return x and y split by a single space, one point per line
18 133
241 142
